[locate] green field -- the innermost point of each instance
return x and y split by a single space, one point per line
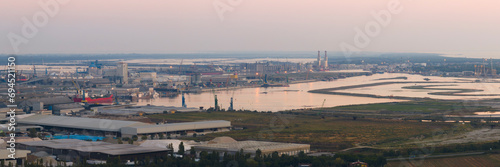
476 160
415 107
327 134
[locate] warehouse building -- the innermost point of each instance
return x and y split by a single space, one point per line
138 110
67 109
250 147
107 127
47 103
187 128
20 157
73 150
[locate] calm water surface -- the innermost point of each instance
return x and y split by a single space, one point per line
275 99
297 97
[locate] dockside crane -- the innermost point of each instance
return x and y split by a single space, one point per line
78 90
180 66
34 72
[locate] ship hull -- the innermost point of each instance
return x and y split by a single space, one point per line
103 100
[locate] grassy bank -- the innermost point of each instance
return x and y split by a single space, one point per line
475 160
415 107
323 133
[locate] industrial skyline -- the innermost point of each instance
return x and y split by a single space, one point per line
445 27
249 83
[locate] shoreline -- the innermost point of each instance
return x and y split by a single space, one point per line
254 86
331 91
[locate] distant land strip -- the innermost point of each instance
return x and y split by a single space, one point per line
331 91
452 91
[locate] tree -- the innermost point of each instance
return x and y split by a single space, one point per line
144 137
381 161
192 152
135 138
32 132
161 135
120 141
130 142
252 163
317 162
258 153
338 162
181 149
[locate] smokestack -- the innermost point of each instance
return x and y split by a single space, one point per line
319 59
491 61
326 60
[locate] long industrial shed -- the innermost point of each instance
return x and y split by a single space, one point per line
107 127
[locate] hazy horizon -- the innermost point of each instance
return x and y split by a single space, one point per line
460 28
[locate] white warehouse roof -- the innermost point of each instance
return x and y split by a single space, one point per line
79 123
175 127
98 147
251 147
124 127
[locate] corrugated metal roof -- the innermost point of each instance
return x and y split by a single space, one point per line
124 127
50 100
164 143
251 146
99 147
80 123
67 106
145 109
178 126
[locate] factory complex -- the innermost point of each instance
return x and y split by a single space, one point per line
119 128
231 146
73 149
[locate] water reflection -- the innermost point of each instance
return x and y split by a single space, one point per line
297 97
274 98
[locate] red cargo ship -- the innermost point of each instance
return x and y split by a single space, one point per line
95 100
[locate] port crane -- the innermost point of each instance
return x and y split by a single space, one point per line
77 86
180 66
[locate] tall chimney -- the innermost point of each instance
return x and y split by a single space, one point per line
319 59
326 61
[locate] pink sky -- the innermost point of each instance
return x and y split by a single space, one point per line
170 26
